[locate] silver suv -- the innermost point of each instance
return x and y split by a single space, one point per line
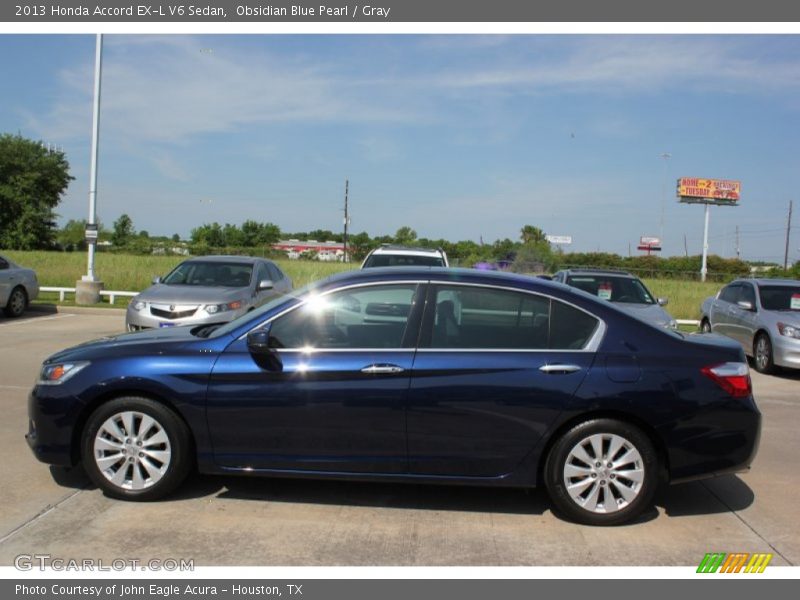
763 315
405 256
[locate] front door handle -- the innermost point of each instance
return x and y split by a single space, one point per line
559 369
379 369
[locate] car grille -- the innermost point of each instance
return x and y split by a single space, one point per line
172 312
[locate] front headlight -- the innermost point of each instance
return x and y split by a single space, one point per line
789 330
58 373
213 309
138 305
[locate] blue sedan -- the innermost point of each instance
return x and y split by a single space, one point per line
418 374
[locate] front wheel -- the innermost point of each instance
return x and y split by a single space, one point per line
136 449
602 472
763 357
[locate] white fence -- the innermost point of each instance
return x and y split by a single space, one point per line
63 291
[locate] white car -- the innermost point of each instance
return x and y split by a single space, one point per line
18 286
405 256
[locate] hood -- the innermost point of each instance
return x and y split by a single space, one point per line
652 313
127 343
191 294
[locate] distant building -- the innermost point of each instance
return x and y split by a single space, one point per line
324 251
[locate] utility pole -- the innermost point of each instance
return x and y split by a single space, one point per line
704 265
666 156
346 216
788 231
738 249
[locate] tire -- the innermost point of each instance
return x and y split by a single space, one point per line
136 449
17 303
705 326
763 359
602 495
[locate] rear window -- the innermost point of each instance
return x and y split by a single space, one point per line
403 260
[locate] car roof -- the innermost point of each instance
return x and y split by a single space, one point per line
767 281
398 249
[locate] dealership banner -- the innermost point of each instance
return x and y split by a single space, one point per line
711 189
730 588
399 11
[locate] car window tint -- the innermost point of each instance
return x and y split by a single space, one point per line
780 297
215 274
747 294
730 293
626 290
369 317
570 327
474 318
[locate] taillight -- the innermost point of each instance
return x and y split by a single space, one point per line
733 377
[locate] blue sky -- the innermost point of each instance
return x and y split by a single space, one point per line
458 136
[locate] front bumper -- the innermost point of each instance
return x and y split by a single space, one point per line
52 416
786 351
144 319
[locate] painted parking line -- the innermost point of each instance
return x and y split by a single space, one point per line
36 320
14 387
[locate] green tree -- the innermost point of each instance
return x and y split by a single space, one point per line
531 235
359 245
405 235
32 181
72 235
123 231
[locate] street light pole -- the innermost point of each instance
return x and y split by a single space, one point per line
87 290
704 266
666 156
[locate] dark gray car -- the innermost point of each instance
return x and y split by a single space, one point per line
207 290
623 289
763 315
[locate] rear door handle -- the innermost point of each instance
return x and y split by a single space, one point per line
559 369
378 369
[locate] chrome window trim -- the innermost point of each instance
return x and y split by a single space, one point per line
591 346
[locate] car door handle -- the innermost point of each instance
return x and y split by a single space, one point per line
559 369
378 369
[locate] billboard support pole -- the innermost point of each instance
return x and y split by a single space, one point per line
704 267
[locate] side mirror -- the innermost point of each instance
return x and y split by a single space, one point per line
264 356
663 301
156 280
265 284
745 305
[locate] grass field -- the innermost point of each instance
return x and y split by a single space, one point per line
126 272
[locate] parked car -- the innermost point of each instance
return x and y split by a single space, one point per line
389 255
207 290
18 286
623 289
417 375
763 315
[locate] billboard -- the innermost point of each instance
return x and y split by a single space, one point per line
712 191
559 239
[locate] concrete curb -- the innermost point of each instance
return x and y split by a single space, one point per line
76 310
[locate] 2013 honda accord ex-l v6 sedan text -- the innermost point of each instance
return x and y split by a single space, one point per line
408 374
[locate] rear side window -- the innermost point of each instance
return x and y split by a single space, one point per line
487 318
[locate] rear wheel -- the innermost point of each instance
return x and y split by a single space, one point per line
762 354
705 326
136 449
602 472
17 303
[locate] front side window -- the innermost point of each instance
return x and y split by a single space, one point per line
3 263
747 294
730 293
488 318
367 317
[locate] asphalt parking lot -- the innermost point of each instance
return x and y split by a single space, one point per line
260 521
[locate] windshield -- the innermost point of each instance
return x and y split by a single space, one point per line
780 297
213 274
403 260
615 289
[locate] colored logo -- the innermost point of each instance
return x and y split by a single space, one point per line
737 562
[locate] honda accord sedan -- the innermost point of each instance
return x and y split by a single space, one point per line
408 374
